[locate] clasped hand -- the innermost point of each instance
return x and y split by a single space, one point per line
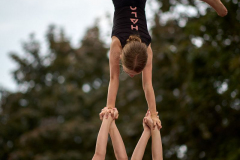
109 112
113 112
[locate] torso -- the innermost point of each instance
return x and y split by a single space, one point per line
129 19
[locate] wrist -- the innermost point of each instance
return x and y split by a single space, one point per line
154 131
110 106
147 132
112 126
154 114
108 119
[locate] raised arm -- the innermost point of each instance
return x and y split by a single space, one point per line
117 142
142 143
114 58
102 138
156 145
148 88
156 138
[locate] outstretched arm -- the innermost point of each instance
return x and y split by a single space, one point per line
156 145
114 58
118 145
148 88
102 138
156 138
141 145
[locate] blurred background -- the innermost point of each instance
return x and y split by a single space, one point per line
55 74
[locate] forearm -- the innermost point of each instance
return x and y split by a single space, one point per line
102 139
117 142
141 146
112 92
156 145
150 97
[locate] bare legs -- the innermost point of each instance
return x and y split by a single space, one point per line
218 6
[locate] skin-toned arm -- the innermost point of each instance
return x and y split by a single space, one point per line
148 88
156 138
118 145
114 58
117 142
156 145
102 139
142 143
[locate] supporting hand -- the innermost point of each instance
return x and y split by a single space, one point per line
109 111
145 123
156 121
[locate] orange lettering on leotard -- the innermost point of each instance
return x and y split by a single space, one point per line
132 27
135 13
133 8
134 21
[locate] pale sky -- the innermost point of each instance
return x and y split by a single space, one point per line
19 18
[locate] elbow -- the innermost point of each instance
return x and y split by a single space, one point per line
114 78
147 86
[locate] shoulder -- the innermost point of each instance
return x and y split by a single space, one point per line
115 42
115 45
149 50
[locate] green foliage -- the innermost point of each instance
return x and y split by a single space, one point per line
55 116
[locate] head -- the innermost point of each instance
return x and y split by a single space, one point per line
134 56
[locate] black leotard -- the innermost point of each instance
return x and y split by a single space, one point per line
130 19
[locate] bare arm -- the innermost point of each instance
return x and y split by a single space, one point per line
141 146
118 145
148 88
156 145
114 58
102 139
147 83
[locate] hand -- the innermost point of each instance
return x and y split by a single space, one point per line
114 113
106 111
148 122
156 121
145 121
103 112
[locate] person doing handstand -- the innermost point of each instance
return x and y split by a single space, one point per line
131 44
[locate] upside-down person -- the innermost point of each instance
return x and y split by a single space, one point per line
131 44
